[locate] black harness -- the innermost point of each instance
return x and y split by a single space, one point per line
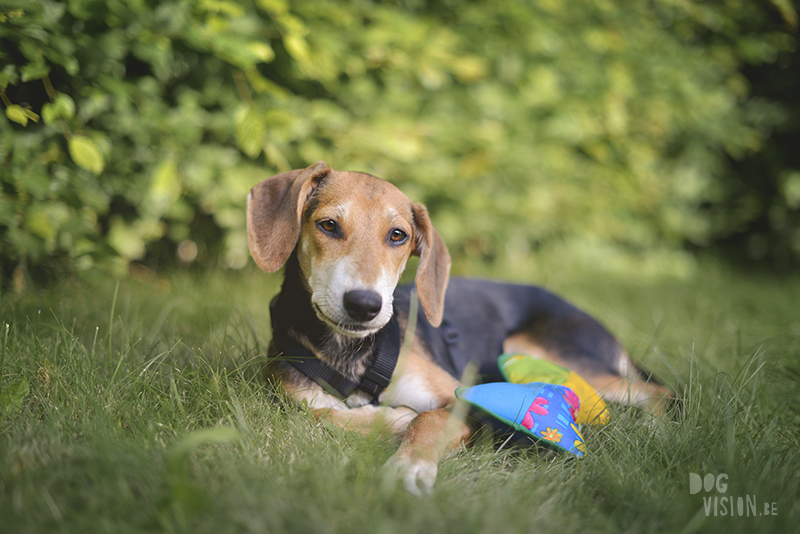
478 316
386 345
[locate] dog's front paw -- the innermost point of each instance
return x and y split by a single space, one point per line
418 474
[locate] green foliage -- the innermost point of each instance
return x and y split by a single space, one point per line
759 212
131 128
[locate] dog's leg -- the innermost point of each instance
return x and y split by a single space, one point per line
633 391
365 419
368 419
428 439
627 386
427 436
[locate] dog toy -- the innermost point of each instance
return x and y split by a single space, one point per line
544 412
523 368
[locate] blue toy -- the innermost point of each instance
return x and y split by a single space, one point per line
544 412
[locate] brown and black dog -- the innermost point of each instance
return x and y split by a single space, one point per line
345 238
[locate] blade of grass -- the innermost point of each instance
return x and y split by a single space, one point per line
111 319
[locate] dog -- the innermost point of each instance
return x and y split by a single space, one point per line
338 321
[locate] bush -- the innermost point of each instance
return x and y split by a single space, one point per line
135 129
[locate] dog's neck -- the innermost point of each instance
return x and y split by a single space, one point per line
294 317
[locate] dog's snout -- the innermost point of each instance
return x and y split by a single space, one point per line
362 304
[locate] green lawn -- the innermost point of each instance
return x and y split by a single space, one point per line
145 412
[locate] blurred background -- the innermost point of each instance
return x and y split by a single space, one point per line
626 136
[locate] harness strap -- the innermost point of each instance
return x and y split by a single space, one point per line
379 374
375 379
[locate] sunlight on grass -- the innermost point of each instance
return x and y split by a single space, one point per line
146 411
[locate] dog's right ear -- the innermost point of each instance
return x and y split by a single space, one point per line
274 212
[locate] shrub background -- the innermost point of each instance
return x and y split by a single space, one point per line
610 133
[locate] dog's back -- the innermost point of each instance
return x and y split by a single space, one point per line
480 315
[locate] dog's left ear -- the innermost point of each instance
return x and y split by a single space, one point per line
433 270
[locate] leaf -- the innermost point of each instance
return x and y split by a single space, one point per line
125 242
126 239
165 188
242 53
17 114
85 154
40 224
791 189
470 69
298 48
11 398
34 71
63 107
262 51
251 132
8 75
49 113
788 12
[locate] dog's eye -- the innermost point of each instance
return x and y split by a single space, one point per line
329 226
397 236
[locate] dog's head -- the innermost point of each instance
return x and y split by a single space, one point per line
354 234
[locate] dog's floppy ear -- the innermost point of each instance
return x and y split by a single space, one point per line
274 210
433 270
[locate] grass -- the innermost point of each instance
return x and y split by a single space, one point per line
145 412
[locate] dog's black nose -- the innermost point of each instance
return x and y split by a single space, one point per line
362 304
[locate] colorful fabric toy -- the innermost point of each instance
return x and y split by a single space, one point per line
545 412
523 368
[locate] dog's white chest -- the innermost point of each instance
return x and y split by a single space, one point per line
414 392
